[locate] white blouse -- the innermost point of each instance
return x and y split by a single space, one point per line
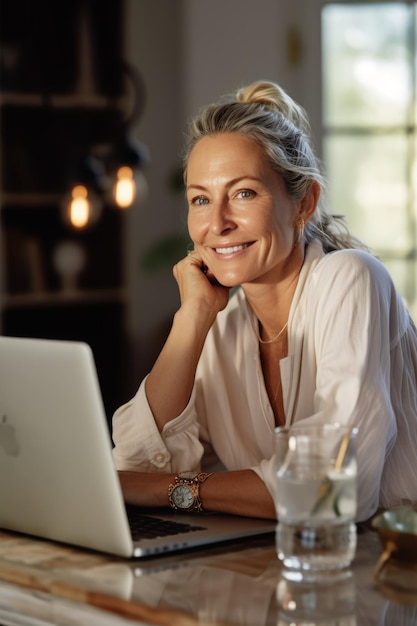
352 358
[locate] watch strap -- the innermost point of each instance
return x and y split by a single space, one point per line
193 480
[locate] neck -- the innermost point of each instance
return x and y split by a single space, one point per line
271 302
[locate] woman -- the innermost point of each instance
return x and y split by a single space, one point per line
316 330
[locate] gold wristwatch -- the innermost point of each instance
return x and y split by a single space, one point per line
184 493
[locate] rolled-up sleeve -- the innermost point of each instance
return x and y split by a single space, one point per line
139 446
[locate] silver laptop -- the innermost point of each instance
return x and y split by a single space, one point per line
57 476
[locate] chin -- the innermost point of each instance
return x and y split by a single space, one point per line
228 281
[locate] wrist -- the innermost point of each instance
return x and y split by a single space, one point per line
184 491
194 316
161 489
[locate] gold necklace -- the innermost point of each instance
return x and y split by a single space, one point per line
274 338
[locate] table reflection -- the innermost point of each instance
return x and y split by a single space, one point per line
329 604
236 588
246 589
235 585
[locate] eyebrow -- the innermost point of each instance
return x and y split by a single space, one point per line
230 183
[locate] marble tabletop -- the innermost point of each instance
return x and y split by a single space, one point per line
238 584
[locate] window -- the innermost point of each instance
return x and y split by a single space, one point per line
369 118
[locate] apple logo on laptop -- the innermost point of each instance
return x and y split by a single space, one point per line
8 437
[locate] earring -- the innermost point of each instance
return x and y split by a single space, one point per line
300 225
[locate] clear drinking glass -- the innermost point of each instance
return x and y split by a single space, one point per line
316 500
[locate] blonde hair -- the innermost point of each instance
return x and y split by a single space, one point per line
265 113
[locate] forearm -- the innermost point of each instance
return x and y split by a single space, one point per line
170 383
237 492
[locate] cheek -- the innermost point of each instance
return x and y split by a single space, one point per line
195 228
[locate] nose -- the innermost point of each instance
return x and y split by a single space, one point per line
221 219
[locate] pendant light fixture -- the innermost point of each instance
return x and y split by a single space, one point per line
128 183
82 205
114 175
129 156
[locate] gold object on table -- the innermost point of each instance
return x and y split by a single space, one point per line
396 570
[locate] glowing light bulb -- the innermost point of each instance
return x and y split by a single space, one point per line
80 207
125 187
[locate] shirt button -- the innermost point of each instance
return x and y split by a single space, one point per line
159 459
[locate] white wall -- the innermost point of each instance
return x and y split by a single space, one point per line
230 43
190 52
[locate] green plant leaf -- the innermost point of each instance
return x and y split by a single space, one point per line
165 252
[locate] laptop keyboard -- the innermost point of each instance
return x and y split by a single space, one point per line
149 527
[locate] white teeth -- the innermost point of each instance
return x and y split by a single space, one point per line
231 249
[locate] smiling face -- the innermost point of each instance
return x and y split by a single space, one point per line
241 218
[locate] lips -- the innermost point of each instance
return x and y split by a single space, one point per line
232 249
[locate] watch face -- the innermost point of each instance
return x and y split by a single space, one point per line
183 497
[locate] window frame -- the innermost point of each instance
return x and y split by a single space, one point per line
310 82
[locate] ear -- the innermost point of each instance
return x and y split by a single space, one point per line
309 204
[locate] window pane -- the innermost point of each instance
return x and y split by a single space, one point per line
367 70
369 184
